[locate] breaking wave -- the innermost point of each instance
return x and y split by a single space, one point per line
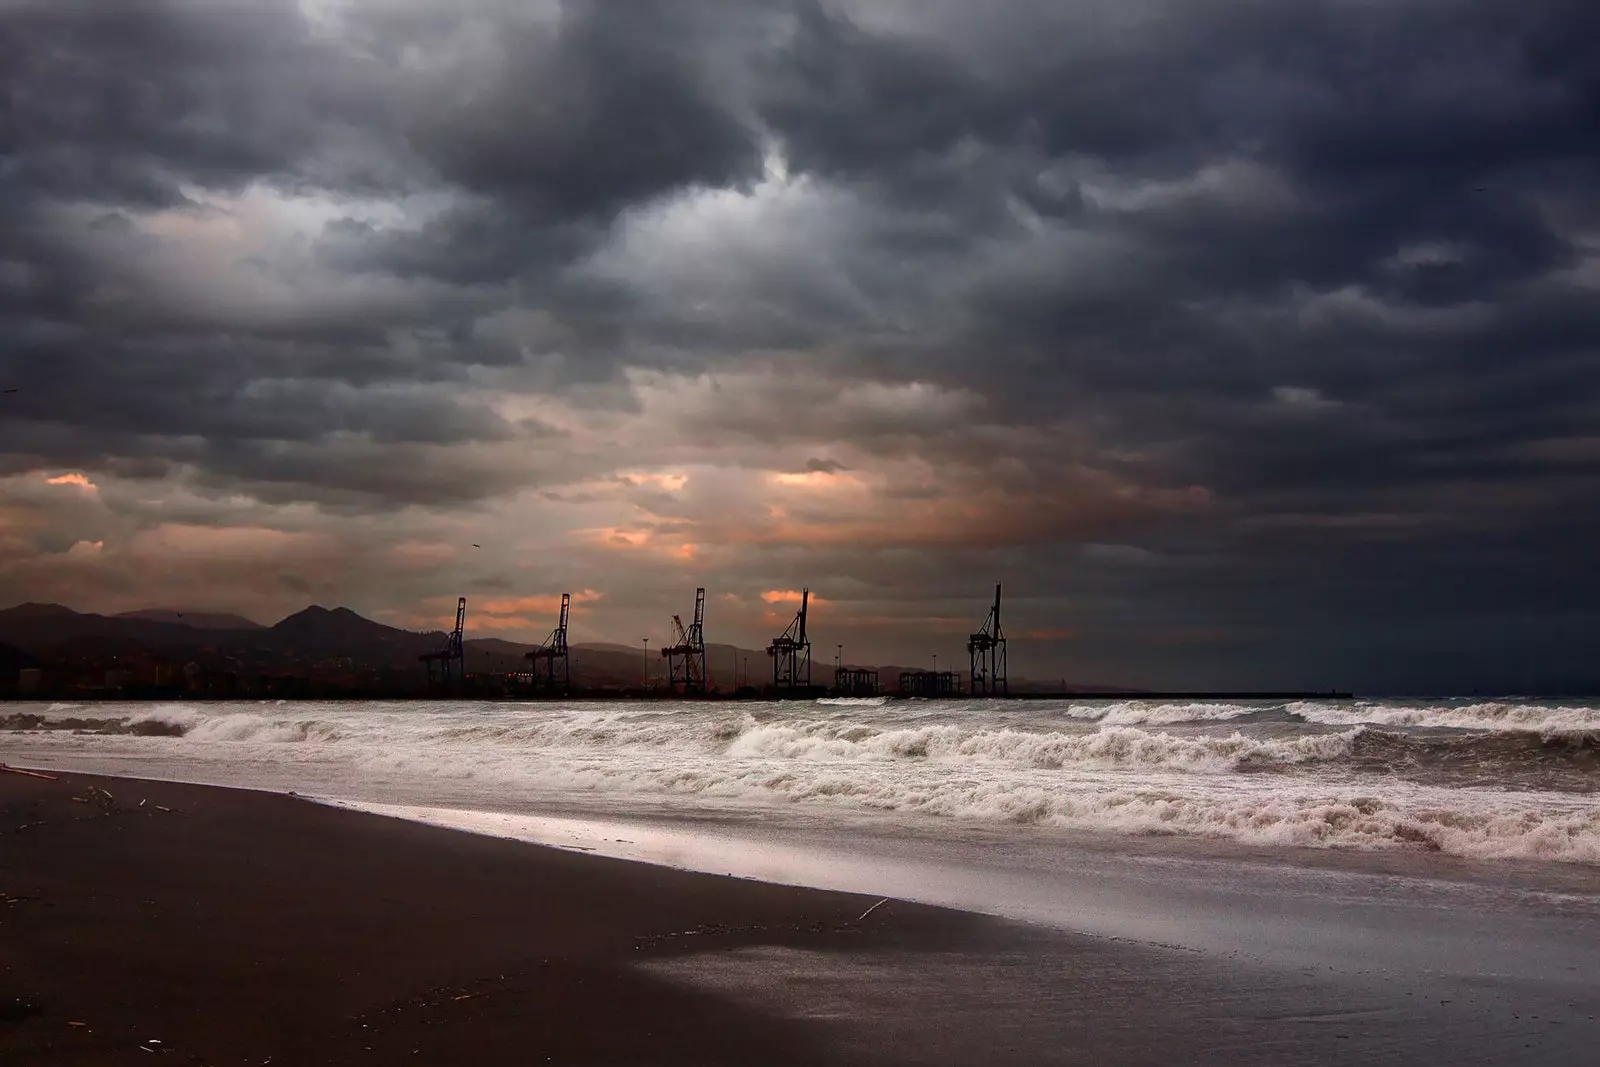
179 721
1153 713
1123 746
1197 739
1502 779
1497 716
1463 823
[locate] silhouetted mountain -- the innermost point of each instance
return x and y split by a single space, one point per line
494 655
43 628
50 631
338 642
341 632
199 620
598 664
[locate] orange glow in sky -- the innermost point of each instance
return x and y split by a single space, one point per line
817 480
787 596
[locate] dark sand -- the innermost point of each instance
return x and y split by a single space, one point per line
248 928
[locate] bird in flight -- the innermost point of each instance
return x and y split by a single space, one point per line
10 390
477 546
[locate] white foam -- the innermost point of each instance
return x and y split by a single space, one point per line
1109 746
1498 716
199 727
1256 810
1155 713
1004 765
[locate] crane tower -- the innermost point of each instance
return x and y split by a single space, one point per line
452 658
987 648
686 656
791 652
551 663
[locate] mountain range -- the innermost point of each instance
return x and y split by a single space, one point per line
199 620
53 634
319 639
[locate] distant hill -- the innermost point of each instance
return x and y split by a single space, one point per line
597 664
341 632
199 620
605 663
50 631
340 640
42 628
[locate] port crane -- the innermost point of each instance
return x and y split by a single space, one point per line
687 672
987 648
791 652
452 658
550 665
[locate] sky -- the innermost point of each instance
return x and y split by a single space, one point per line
1249 343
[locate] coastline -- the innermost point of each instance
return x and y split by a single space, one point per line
239 926
229 923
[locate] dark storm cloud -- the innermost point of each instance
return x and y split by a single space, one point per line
126 103
583 120
537 133
1241 161
1297 302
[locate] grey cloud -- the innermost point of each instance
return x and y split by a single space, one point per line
1333 263
592 115
125 104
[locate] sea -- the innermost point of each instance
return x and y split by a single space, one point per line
1454 841
1504 779
1432 866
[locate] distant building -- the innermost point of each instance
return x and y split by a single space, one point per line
930 684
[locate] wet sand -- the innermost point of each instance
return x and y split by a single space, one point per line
215 926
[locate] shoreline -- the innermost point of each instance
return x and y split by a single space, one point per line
234 921
237 925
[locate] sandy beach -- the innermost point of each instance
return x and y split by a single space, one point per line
219 926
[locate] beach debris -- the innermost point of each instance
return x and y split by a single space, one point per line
30 774
143 801
160 808
81 800
872 909
74 1022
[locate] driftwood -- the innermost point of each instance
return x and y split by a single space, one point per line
30 774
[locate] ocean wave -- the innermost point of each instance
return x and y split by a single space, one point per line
1499 716
177 721
1462 822
1148 713
1334 785
1124 746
